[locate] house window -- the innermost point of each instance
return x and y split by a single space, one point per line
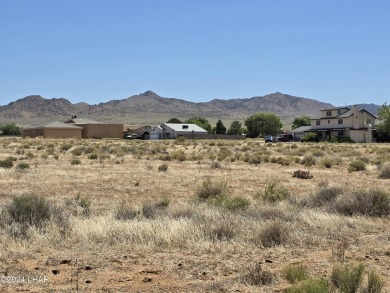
328 121
318 122
368 121
185 126
340 121
340 133
328 113
339 111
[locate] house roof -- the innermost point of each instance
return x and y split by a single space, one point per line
300 129
82 121
57 124
190 127
135 127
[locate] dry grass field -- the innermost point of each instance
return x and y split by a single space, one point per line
193 216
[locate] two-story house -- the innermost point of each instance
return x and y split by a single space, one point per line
351 122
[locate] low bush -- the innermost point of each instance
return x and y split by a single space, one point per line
230 203
373 203
124 212
257 276
347 278
163 168
6 163
312 285
324 196
274 192
295 273
310 137
302 174
374 283
210 189
275 233
385 171
357 165
23 166
93 156
75 162
308 161
30 210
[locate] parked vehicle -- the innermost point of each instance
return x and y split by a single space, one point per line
131 136
268 138
285 137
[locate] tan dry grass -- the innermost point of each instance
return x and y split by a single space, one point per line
187 233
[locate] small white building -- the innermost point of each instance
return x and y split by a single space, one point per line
173 130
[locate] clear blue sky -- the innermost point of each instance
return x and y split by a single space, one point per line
335 51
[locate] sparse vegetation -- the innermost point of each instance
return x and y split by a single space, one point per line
234 227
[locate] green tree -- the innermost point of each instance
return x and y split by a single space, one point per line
201 122
263 124
301 121
384 117
10 129
235 128
174 120
220 128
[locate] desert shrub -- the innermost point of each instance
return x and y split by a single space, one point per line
325 195
210 189
312 285
65 146
345 139
357 165
79 205
327 162
257 276
6 163
385 171
274 192
165 157
93 156
222 230
152 210
374 283
30 210
30 155
75 162
255 159
308 161
215 165
310 137
163 168
231 203
295 273
124 212
302 174
179 155
347 278
374 203
274 233
78 151
318 153
23 166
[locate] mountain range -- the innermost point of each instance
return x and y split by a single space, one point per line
148 107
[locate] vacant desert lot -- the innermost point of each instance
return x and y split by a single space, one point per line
190 216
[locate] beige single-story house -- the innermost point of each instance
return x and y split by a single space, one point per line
53 130
357 124
95 129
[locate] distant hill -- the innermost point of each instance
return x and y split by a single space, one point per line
149 107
